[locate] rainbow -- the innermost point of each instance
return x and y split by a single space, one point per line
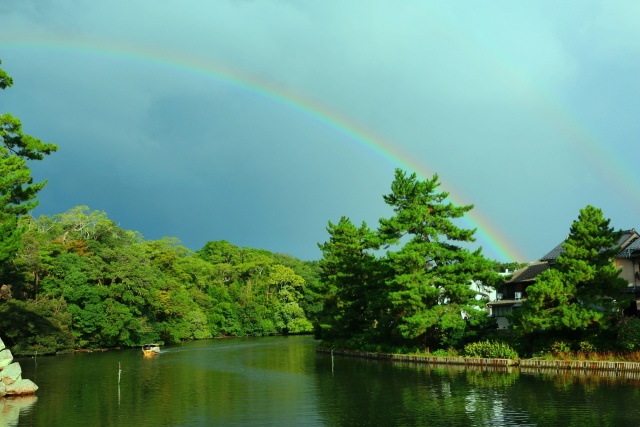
487 234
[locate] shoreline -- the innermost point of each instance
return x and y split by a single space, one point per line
523 364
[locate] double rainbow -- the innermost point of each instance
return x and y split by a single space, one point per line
493 240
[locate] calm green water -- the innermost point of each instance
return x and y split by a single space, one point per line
281 381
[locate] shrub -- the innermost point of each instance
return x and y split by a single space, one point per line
490 349
629 333
560 347
587 347
441 352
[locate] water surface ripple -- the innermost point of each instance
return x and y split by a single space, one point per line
281 381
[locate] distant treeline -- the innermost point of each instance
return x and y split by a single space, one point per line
77 280
80 281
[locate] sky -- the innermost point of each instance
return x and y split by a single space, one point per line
258 122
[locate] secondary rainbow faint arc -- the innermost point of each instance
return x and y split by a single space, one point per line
486 232
612 168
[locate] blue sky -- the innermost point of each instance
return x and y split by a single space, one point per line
195 119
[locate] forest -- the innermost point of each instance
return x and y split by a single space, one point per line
77 280
80 281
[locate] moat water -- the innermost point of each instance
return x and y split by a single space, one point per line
282 381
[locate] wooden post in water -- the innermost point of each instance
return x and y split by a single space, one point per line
119 373
332 361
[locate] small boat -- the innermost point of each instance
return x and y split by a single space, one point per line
149 349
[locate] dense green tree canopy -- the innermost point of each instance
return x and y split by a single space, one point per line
350 273
432 271
583 288
418 294
77 279
80 280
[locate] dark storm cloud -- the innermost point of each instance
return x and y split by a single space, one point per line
509 103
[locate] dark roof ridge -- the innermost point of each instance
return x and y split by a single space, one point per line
631 250
626 238
530 272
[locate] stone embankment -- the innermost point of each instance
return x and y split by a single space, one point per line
528 364
11 381
475 361
588 365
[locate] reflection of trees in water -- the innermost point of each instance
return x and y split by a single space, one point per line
403 394
251 380
592 375
580 400
465 397
492 380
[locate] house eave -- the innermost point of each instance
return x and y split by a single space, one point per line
504 302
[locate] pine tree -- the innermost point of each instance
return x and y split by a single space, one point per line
431 273
583 288
349 273
17 189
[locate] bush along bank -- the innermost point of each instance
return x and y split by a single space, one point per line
498 354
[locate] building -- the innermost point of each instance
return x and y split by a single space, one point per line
514 290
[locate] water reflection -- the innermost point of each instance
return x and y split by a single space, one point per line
584 373
12 407
387 393
282 381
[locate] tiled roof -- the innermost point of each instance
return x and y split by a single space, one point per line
555 253
529 272
626 237
631 250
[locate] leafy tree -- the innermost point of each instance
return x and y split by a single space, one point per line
220 252
17 189
287 286
103 286
311 292
510 266
584 288
256 292
34 260
429 287
9 235
43 326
